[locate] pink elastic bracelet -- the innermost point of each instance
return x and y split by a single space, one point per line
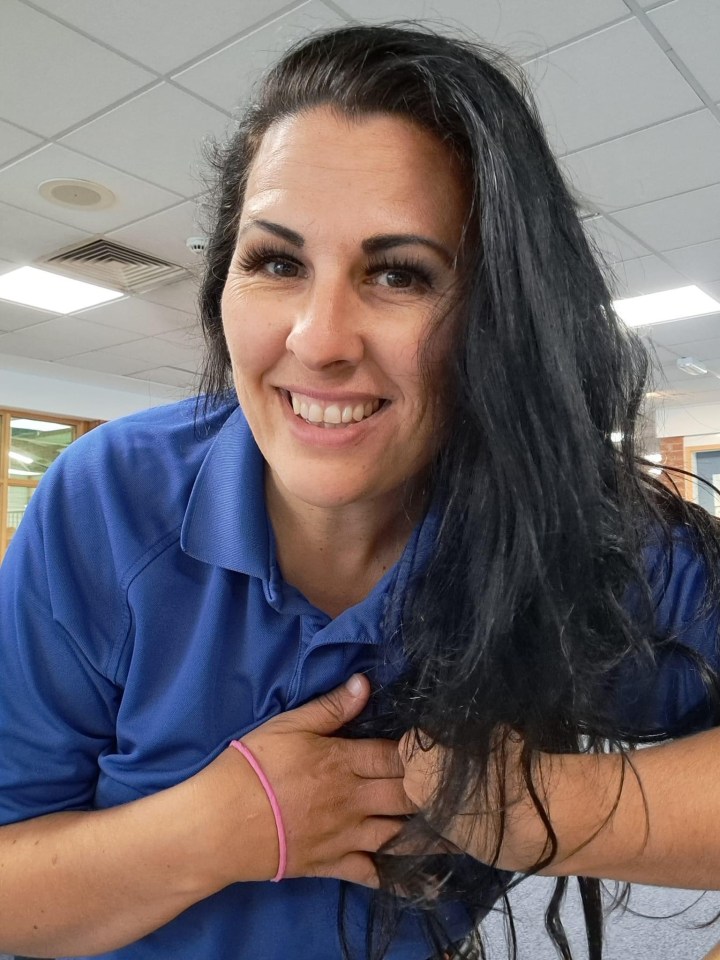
282 841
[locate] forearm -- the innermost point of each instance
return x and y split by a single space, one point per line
675 842
88 882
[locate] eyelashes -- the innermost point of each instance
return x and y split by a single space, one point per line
255 258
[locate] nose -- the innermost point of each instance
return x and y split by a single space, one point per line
326 328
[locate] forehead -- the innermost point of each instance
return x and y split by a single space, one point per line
372 173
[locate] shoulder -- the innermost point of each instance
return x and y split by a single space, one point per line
122 487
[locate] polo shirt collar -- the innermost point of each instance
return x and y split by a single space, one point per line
226 524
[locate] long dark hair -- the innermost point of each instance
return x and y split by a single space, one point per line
521 624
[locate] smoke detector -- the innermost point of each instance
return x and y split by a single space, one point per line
196 244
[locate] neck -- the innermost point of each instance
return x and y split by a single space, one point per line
336 555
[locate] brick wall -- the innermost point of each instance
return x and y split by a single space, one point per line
673 455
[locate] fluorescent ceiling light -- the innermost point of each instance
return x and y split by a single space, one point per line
50 291
24 473
20 457
668 305
41 426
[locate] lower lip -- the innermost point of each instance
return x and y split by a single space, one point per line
333 438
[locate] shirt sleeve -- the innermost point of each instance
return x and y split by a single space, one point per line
57 616
674 697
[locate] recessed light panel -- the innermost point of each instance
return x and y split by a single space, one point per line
675 304
50 291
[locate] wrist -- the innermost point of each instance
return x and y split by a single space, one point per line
234 828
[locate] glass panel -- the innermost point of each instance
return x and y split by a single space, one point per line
34 444
18 499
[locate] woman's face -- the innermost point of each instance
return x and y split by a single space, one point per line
346 248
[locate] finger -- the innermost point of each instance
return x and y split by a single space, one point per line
355 867
375 759
376 831
327 713
385 798
423 846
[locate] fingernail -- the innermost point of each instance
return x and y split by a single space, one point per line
355 685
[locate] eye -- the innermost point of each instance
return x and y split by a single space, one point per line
281 268
399 279
269 261
405 275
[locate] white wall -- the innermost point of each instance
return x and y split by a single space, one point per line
53 388
689 421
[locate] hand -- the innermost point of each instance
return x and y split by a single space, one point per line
476 827
340 799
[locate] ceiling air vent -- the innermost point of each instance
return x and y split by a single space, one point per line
109 264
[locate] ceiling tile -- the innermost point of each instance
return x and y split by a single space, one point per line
692 28
523 27
685 331
171 375
25 237
62 337
51 77
13 316
14 141
19 186
608 84
667 158
137 316
156 136
659 354
700 261
646 275
164 234
688 218
104 360
153 351
227 77
23 345
182 295
190 336
164 34
706 351
713 289
613 243
689 386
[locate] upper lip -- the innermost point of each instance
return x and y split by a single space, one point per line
329 396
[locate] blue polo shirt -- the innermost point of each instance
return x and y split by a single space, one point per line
144 623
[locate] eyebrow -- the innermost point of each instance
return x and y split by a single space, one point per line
376 244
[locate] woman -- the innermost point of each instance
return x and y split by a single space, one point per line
418 491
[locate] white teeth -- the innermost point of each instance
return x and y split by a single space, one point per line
334 415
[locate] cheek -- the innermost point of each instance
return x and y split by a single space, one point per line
254 341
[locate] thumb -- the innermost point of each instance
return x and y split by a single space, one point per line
328 712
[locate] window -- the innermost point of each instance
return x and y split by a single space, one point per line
29 443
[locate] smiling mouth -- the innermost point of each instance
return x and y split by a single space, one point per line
332 416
